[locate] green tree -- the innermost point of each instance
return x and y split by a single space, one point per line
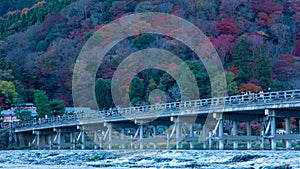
57 107
42 103
241 55
103 95
136 93
263 69
24 115
241 77
232 87
8 90
41 46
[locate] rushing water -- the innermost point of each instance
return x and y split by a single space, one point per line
69 159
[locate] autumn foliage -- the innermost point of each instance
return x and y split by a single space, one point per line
249 87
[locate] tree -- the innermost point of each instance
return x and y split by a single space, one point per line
57 107
249 87
103 95
24 115
42 104
8 91
241 55
136 92
232 87
263 69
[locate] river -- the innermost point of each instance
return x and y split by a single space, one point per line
91 159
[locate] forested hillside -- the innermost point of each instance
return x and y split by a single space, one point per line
258 42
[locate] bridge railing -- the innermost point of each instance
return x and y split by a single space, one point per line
236 100
45 121
248 98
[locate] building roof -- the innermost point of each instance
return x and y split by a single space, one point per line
7 113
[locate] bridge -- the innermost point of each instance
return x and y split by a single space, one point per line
207 124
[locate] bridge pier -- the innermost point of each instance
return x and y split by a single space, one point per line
50 141
234 133
191 136
168 139
262 131
82 140
249 134
288 132
37 138
141 136
273 129
221 134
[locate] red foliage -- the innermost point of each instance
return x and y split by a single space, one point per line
227 27
286 66
287 58
175 8
249 87
224 44
268 10
233 70
253 124
267 6
295 7
264 19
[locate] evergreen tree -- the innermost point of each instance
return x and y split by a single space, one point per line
136 92
241 55
57 107
103 96
42 104
263 69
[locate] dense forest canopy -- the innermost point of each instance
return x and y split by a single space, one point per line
257 40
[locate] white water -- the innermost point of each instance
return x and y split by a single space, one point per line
90 159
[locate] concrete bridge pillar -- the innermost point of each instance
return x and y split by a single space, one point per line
234 133
273 130
95 140
191 136
248 134
203 136
178 135
141 136
82 139
288 131
59 139
154 136
122 137
210 140
168 139
221 133
262 131
72 141
38 139
50 141
109 126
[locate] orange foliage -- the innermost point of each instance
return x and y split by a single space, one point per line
38 4
264 19
25 10
127 88
13 12
249 87
287 58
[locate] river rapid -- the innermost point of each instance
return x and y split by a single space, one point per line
91 159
